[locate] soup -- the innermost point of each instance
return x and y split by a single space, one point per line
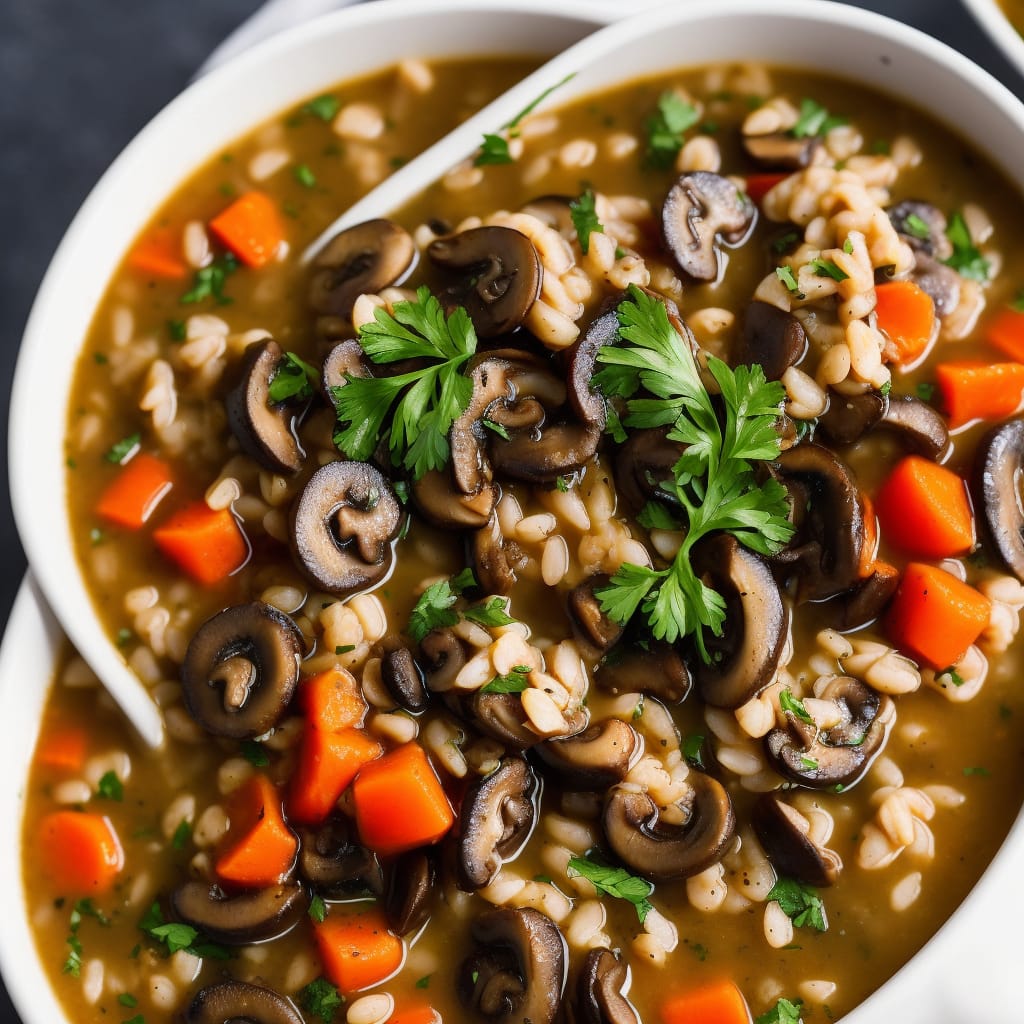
522 655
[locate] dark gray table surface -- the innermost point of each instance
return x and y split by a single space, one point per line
78 80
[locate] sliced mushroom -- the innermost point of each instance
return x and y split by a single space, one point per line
923 227
781 149
333 862
443 505
231 1002
772 338
500 276
865 601
660 851
410 888
785 835
941 282
996 486
701 210
841 754
501 716
342 526
443 655
360 260
561 450
241 669
828 513
601 990
642 463
497 817
252 916
495 558
745 658
264 429
345 359
918 426
655 669
592 622
594 759
517 972
403 680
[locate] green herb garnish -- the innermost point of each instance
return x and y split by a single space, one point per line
127 999
181 836
493 613
666 128
800 903
966 259
977 770
693 750
321 999
494 148
423 982
293 378
255 753
317 909
925 392
514 682
303 174
110 787
788 278
120 452
174 936
584 218
794 706
209 282
828 268
783 1012
323 107
917 227
814 119
617 882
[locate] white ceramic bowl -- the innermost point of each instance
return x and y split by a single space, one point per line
992 19
812 34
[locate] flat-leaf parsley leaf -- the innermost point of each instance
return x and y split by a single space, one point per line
617 882
800 903
584 218
665 128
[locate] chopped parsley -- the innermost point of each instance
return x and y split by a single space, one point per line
317 909
323 107
181 836
514 682
978 770
584 218
110 787
714 482
433 610
493 613
423 403
783 1012
828 268
344 648
174 936
321 999
496 428
917 227
424 982
304 175
925 391
562 484
655 516
966 259
788 278
885 389
794 706
638 709
127 999
784 243
494 148
813 120
692 748
177 330
293 378
666 128
617 882
209 282
253 751
121 451
700 951
801 903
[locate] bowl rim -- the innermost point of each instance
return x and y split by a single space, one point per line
999 29
24 459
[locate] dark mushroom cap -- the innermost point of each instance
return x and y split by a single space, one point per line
642 463
662 852
362 259
251 916
594 759
585 610
499 274
746 657
345 359
497 817
658 671
915 423
940 281
865 601
700 209
501 716
342 526
600 990
230 1002
409 893
403 680
264 429
333 862
996 487
588 404
561 450
442 504
241 669
838 756
517 972
772 338
907 218
495 559
828 511
442 656
783 832
781 150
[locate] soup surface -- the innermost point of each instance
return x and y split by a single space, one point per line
512 639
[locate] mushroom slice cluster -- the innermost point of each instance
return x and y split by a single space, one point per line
409 892
996 484
916 424
656 670
773 338
342 525
235 920
745 658
594 759
785 835
229 1001
265 430
837 754
642 463
498 276
517 971
360 260
923 227
497 816
601 990
585 609
335 864
241 669
701 211
660 851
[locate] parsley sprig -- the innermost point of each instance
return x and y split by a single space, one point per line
421 404
494 147
713 483
801 903
293 378
174 936
783 1012
434 608
966 259
666 128
617 882
583 212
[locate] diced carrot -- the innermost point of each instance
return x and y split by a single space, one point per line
328 762
133 495
979 391
206 544
160 255
399 802
718 1003
923 508
759 185
251 228
906 313
869 546
259 848
332 700
934 616
357 950
79 852
1006 331
63 748
420 1013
